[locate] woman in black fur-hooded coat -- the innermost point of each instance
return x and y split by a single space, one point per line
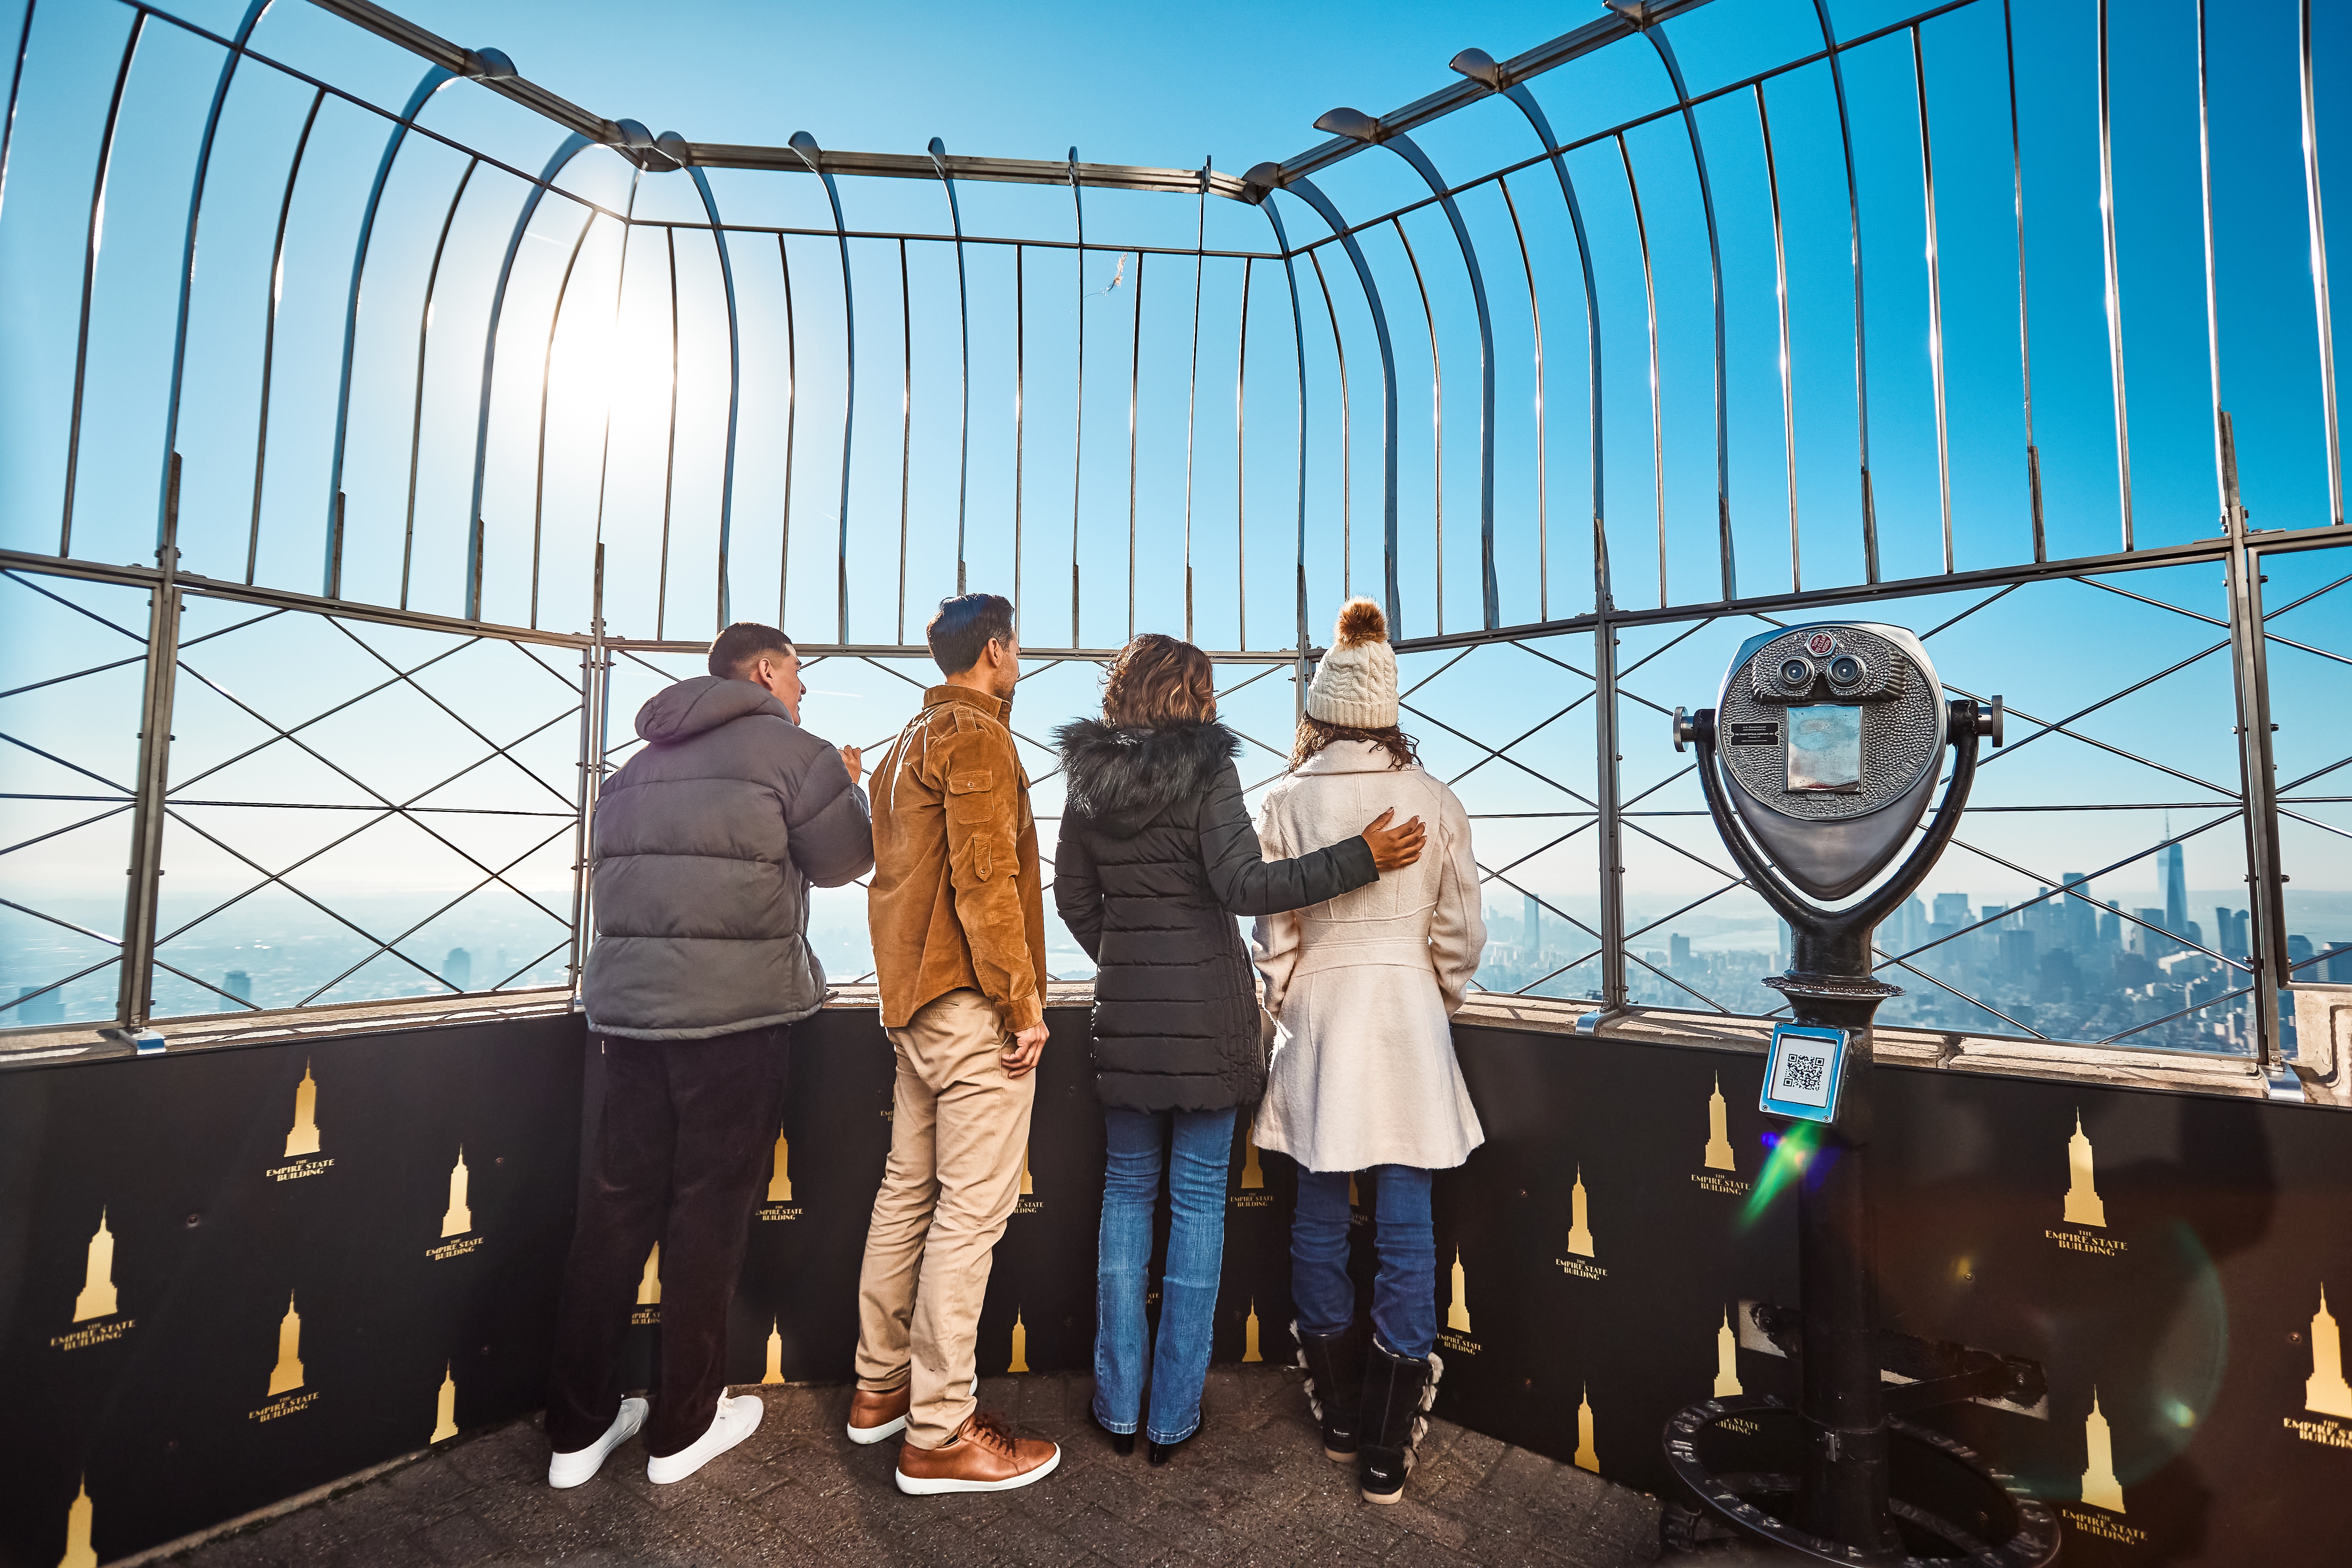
1157 857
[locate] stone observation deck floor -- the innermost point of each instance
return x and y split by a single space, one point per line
1252 1488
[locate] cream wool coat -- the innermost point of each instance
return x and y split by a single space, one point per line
1363 987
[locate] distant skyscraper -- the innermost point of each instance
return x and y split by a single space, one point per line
1531 928
1677 950
2172 867
49 1007
2230 932
2078 919
2111 925
2298 958
2338 964
1907 926
1951 909
239 983
458 969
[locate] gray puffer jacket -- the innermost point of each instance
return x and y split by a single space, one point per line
705 845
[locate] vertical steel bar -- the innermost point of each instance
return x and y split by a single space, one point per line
734 396
570 147
669 462
269 329
906 425
1657 36
1657 421
1347 437
1935 292
94 231
2024 335
1780 295
1543 486
195 209
424 333
1608 807
1313 195
1079 432
546 377
1193 393
2319 273
1436 417
596 665
434 81
1860 342
1134 383
939 151
1298 341
791 429
16 82
1020 388
620 285
135 994
812 155
2212 308
2114 299
2258 774
1241 552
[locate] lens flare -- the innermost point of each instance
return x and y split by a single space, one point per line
1792 1153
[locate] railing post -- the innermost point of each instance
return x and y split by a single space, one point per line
595 662
2258 774
136 995
1605 802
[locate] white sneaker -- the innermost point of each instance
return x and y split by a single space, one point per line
737 1419
581 1464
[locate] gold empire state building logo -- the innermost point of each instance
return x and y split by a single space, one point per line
288 1373
2100 1488
1719 1131
1586 1458
1250 1351
774 1372
2325 1390
79 1554
2083 1204
1579 1225
458 1220
649 1290
780 1179
1726 1359
1458 1312
97 1298
1020 1362
1253 1176
303 1139
445 1407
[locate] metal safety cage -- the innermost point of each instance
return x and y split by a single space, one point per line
1758 295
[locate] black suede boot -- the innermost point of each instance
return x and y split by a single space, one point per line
1398 1390
1334 1365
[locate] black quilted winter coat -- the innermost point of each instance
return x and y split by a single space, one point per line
1157 857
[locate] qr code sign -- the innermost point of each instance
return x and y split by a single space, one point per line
1803 1073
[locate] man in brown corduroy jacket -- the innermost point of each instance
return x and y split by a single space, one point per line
959 930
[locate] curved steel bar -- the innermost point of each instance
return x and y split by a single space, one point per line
89 282
1192 396
2024 336
1657 424
269 329
2114 299
1657 36
1298 339
1347 441
1935 293
435 78
2213 308
1526 101
813 156
1543 484
1079 432
669 449
906 425
1861 340
604 441
423 335
939 151
734 393
1781 293
16 82
1307 190
1404 147
1437 416
546 374
253 14
1240 537
2318 268
568 149
791 429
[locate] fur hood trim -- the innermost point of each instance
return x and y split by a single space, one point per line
1121 777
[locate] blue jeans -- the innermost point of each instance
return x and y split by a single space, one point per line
1405 1291
1199 1159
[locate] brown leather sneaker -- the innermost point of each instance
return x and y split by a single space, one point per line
873 1416
982 1457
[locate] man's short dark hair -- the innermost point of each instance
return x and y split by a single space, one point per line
963 627
741 643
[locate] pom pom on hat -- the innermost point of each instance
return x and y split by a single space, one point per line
1356 684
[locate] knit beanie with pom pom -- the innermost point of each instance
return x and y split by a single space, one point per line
1356 684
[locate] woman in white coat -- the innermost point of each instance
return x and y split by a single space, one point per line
1362 989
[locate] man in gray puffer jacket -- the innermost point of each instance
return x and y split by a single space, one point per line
705 843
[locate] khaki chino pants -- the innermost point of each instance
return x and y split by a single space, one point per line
958 1131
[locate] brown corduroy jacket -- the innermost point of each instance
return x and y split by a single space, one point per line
956 902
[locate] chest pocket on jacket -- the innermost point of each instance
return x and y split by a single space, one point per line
967 796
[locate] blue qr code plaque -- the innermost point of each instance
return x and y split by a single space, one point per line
1800 1075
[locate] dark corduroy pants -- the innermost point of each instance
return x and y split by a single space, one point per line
687 1130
